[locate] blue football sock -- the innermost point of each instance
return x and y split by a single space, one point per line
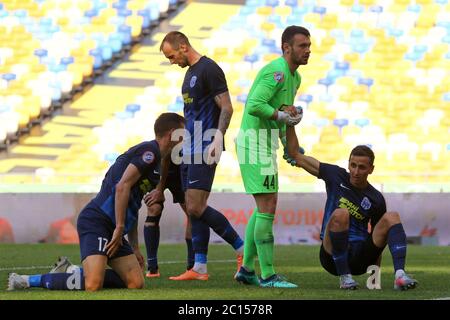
151 237
73 281
61 281
397 245
221 226
200 236
35 280
190 254
339 241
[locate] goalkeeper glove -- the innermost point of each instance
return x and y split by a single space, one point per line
288 159
290 120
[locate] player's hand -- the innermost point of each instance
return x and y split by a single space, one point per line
291 110
140 258
290 115
214 151
115 243
154 196
288 159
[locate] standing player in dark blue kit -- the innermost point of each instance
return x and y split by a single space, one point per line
208 111
112 214
352 202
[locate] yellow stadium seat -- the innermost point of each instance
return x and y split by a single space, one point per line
283 11
402 2
329 21
267 27
347 2
312 18
367 2
264 11
135 22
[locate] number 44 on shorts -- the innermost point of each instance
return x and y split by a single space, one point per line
269 182
374 280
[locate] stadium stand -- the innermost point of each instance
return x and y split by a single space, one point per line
378 75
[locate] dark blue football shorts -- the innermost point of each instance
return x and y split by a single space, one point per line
174 184
361 255
95 230
198 176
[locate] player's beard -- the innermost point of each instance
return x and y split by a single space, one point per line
184 63
298 60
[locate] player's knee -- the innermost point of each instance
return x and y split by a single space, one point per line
154 210
392 217
195 210
339 219
93 285
136 283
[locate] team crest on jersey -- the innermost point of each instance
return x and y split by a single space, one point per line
278 76
365 203
148 157
193 81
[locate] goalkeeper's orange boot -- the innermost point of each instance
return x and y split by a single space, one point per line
191 275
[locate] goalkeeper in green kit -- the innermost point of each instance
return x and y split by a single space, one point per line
268 110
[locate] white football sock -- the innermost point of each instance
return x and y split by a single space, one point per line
200 267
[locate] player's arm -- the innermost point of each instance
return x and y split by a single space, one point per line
223 101
134 243
122 195
258 101
308 163
215 149
157 195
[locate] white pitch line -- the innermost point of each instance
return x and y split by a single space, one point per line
443 298
162 262
25 268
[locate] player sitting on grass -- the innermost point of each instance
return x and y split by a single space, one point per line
113 213
347 246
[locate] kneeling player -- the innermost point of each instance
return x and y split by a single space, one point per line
112 214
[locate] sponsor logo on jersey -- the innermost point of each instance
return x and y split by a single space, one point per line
352 208
146 186
186 98
278 76
148 157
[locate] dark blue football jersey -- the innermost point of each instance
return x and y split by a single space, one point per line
363 205
146 157
203 81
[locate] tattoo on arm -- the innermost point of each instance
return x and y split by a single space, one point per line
223 101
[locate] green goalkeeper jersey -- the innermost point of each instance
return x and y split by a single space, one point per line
273 87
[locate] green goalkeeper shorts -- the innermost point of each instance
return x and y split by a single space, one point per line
259 177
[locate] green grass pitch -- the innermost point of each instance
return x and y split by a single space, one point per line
300 263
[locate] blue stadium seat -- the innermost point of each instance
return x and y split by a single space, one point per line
340 123
133 108
366 82
291 3
362 122
111 157
308 98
